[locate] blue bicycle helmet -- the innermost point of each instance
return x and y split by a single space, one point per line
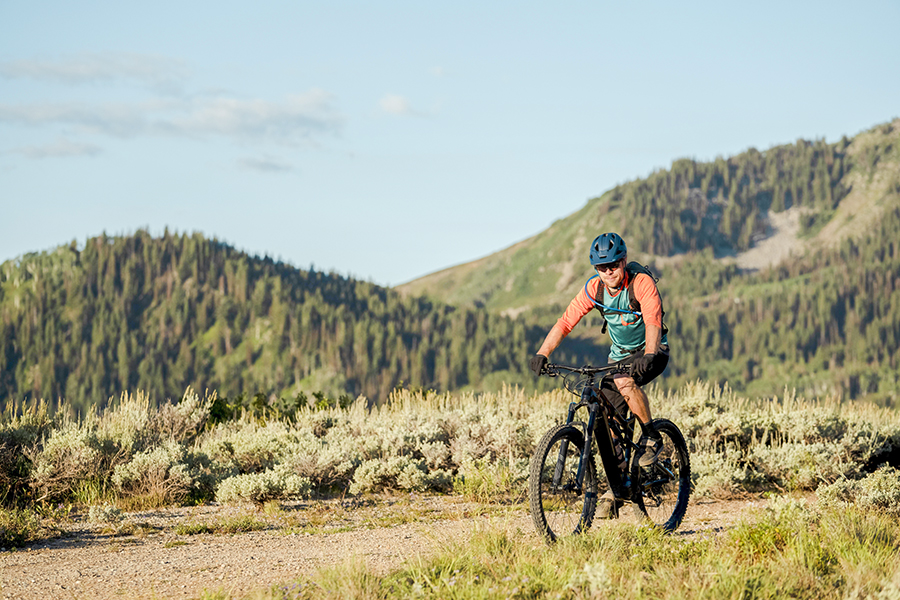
607 248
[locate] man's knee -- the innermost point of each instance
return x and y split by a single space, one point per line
626 385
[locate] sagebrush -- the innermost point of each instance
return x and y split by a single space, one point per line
476 444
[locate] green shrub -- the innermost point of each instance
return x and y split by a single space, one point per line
81 458
789 443
396 472
105 514
272 484
19 526
802 466
162 475
70 456
20 430
182 422
327 463
248 446
721 473
878 491
421 441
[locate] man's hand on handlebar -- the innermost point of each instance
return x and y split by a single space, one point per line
537 364
641 366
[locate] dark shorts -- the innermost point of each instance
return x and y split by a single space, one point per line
609 389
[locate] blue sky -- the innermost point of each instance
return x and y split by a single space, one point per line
388 140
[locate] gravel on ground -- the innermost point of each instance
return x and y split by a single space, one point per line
149 554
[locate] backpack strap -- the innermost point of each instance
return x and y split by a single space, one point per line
631 270
632 299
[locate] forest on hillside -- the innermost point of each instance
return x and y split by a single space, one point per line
726 205
722 204
826 323
161 314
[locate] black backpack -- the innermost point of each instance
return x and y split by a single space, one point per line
633 268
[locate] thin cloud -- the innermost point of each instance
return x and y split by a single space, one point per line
62 148
157 72
397 105
265 165
293 120
300 116
116 120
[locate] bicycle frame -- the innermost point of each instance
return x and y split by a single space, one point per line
603 421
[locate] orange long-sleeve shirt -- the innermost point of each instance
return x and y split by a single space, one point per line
645 292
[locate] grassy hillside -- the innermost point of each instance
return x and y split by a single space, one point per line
832 190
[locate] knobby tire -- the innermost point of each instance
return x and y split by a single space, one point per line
561 510
660 493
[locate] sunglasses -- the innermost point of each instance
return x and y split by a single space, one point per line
607 267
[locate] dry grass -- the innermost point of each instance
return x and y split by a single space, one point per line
789 549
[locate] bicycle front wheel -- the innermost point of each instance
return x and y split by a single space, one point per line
662 490
559 505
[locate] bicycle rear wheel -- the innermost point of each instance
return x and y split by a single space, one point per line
662 490
559 507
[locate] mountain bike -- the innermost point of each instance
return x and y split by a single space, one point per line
564 484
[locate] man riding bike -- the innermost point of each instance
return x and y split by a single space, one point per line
637 334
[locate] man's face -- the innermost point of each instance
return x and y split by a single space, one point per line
612 274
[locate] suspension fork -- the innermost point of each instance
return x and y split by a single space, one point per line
563 449
593 409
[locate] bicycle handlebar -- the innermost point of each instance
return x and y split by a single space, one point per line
553 370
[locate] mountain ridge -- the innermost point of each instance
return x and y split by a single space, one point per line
561 248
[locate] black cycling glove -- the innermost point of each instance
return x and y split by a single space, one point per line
537 364
641 366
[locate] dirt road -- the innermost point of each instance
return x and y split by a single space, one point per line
158 554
